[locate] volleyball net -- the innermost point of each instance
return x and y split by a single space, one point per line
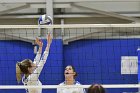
104 54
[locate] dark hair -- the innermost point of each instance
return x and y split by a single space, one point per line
22 68
73 70
97 88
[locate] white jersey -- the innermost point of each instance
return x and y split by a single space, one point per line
33 78
70 90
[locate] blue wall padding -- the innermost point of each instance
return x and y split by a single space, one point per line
96 61
13 51
99 61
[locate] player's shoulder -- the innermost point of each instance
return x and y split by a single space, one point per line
77 83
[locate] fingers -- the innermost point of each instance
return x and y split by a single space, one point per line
39 42
49 37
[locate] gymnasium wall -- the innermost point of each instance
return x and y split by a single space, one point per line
13 51
96 61
99 61
10 53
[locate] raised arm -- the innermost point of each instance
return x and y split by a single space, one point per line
49 41
46 52
34 76
38 55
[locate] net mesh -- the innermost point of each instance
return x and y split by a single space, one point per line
100 53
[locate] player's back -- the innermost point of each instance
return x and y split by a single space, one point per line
35 90
28 82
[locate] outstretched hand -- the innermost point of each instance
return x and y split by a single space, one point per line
49 39
39 42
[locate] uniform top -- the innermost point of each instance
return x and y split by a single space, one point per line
70 90
32 79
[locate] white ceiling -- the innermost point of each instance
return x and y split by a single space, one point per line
122 9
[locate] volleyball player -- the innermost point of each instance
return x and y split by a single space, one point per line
31 70
70 75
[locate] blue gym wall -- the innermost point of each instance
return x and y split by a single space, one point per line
99 61
13 51
96 61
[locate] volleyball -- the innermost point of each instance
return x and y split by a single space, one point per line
44 19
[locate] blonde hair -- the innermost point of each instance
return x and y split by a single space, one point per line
22 68
18 73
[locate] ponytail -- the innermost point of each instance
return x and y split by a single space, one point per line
18 72
22 68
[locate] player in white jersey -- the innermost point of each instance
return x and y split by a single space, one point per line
32 70
70 75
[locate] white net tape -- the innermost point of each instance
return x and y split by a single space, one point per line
70 26
69 86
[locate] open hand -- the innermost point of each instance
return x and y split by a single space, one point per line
49 38
39 42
